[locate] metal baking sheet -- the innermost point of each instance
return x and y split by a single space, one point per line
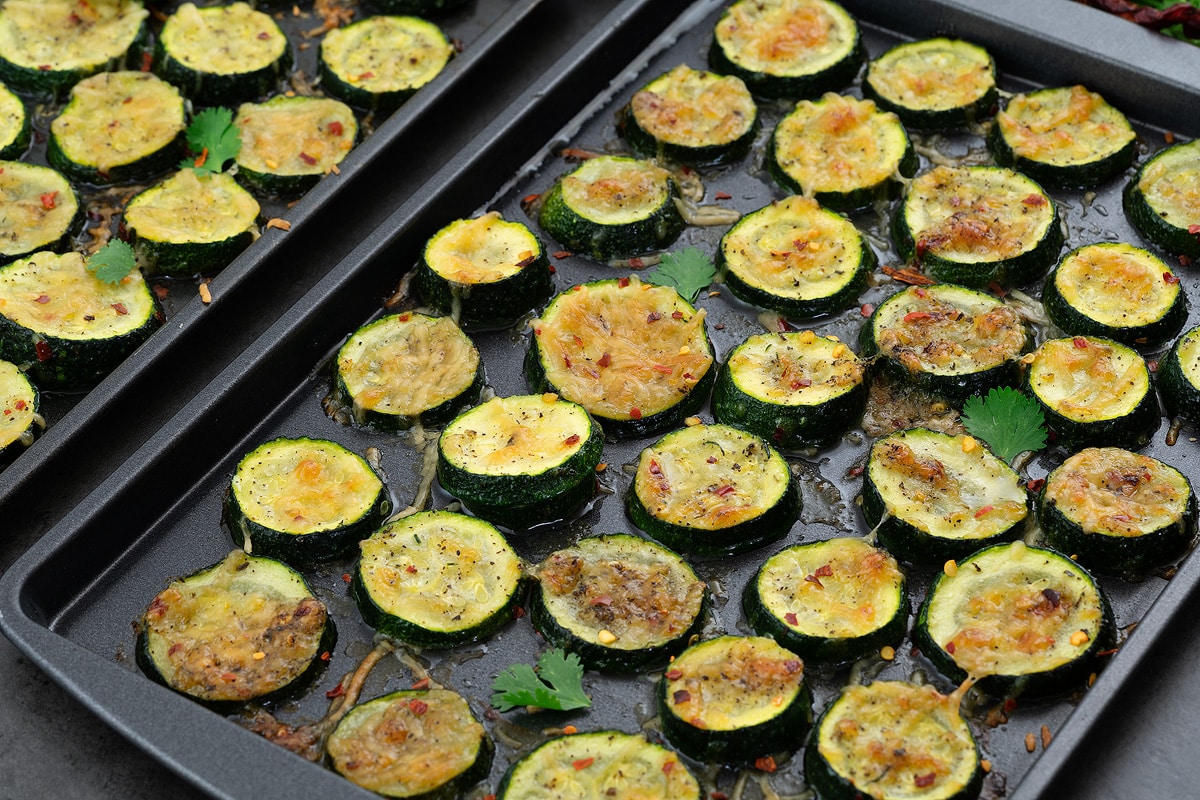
70 601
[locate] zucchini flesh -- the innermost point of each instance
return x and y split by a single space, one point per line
1179 377
379 62
289 143
38 208
20 422
933 83
1163 199
16 130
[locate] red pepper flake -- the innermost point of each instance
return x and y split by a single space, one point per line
801 383
676 315
766 764
572 439
824 571
1080 343
44 353
1035 484
655 469
637 263
577 339
687 376
336 128
561 254
1152 365
1035 200
601 600
711 459
326 656
1010 705
405 317
43 299
681 696
307 159
346 577
424 683
200 159
855 472
550 267
926 780
583 763
724 491
518 612
366 76
791 619
228 677
525 262
914 316
814 579
120 309
674 674
49 200
604 360
263 35
950 648
418 707
662 369
1194 229
635 413
983 511
336 691
622 282
529 200
19 405
147 61
411 569
668 766
723 196
866 309
998 290
44 67
1169 277
919 292
653 316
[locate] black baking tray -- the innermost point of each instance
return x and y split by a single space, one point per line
68 603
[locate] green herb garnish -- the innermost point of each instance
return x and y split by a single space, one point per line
557 684
214 139
112 262
1009 421
689 272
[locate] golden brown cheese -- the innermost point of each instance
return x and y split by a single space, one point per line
616 191
731 682
193 207
295 135
1114 492
223 40
481 250
1171 185
37 206
1085 379
786 37
599 766
68 34
795 368
1117 284
387 54
1063 126
519 435
693 108
937 75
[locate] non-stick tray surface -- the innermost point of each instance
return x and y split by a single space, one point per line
71 601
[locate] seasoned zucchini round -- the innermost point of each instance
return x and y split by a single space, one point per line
70 327
788 48
934 84
735 698
487 269
521 461
713 490
38 209
437 579
977 226
289 143
379 62
247 627
1162 200
1117 512
1063 136
1179 377
836 600
1093 391
619 602
796 258
635 355
20 422
842 151
16 130
932 496
406 369
1020 619
794 389
416 744
613 207
892 740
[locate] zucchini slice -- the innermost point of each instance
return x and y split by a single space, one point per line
118 127
71 328
222 55
932 496
635 355
16 129
412 744
794 389
1179 377
38 209
613 207
289 143
487 271
1019 619
713 490
978 225
892 740
841 151
621 603
788 48
20 422
1063 136
735 698
1118 291
303 501
596 764
948 340
190 223
934 84
1093 391
1163 199
797 258
247 627
837 600
437 579
1117 512
521 461
691 117
407 369
379 62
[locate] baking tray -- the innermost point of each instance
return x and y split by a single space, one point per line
70 601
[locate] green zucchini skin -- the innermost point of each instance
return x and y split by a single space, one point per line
1156 199
944 63
20 422
278 135
1181 393
41 210
16 127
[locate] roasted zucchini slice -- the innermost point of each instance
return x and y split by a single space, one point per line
437 579
1093 392
38 209
289 143
713 490
521 461
892 740
407 369
931 496
413 744
934 84
1179 377
613 207
379 62
1063 136
842 151
796 258
1020 619
487 271
794 389
735 698
1117 512
977 226
619 602
1163 199
245 628
636 356
16 130
20 422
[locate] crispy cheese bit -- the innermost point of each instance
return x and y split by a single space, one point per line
549 397
950 568
1046 737
569 730
1030 743
1079 638
969 444
281 224
807 337
606 637
692 422
888 653
985 765
205 294
259 655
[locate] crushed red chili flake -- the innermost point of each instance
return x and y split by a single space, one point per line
525 262
410 569
724 491
681 696
147 61
19 405
790 618
44 353
424 683
653 316
1035 199
529 200
604 360
711 459
668 766
674 674
622 282
1194 229
561 254
583 763
346 577
635 413
326 656
336 128
307 159
801 383
676 315
662 369
366 76
601 600
814 580
983 511
418 707
49 200
336 691
998 290
120 309
950 648
722 196
925 780
855 472
637 263
43 299
572 439
766 764
1080 343
866 309
1035 484
518 612
824 571
915 316
1170 278
1152 365
1010 705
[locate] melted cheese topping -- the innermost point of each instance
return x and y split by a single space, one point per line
407 364
37 206
387 54
976 214
67 34
710 477
58 296
191 207
693 108
1170 183
838 144
12 117
1087 379
18 404
223 40
295 135
1063 126
796 368
623 351
481 250
521 435
117 118
611 190
933 75
733 682
1117 284
1189 356
786 37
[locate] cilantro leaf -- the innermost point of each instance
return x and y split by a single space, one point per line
214 139
112 262
557 684
1008 420
689 271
